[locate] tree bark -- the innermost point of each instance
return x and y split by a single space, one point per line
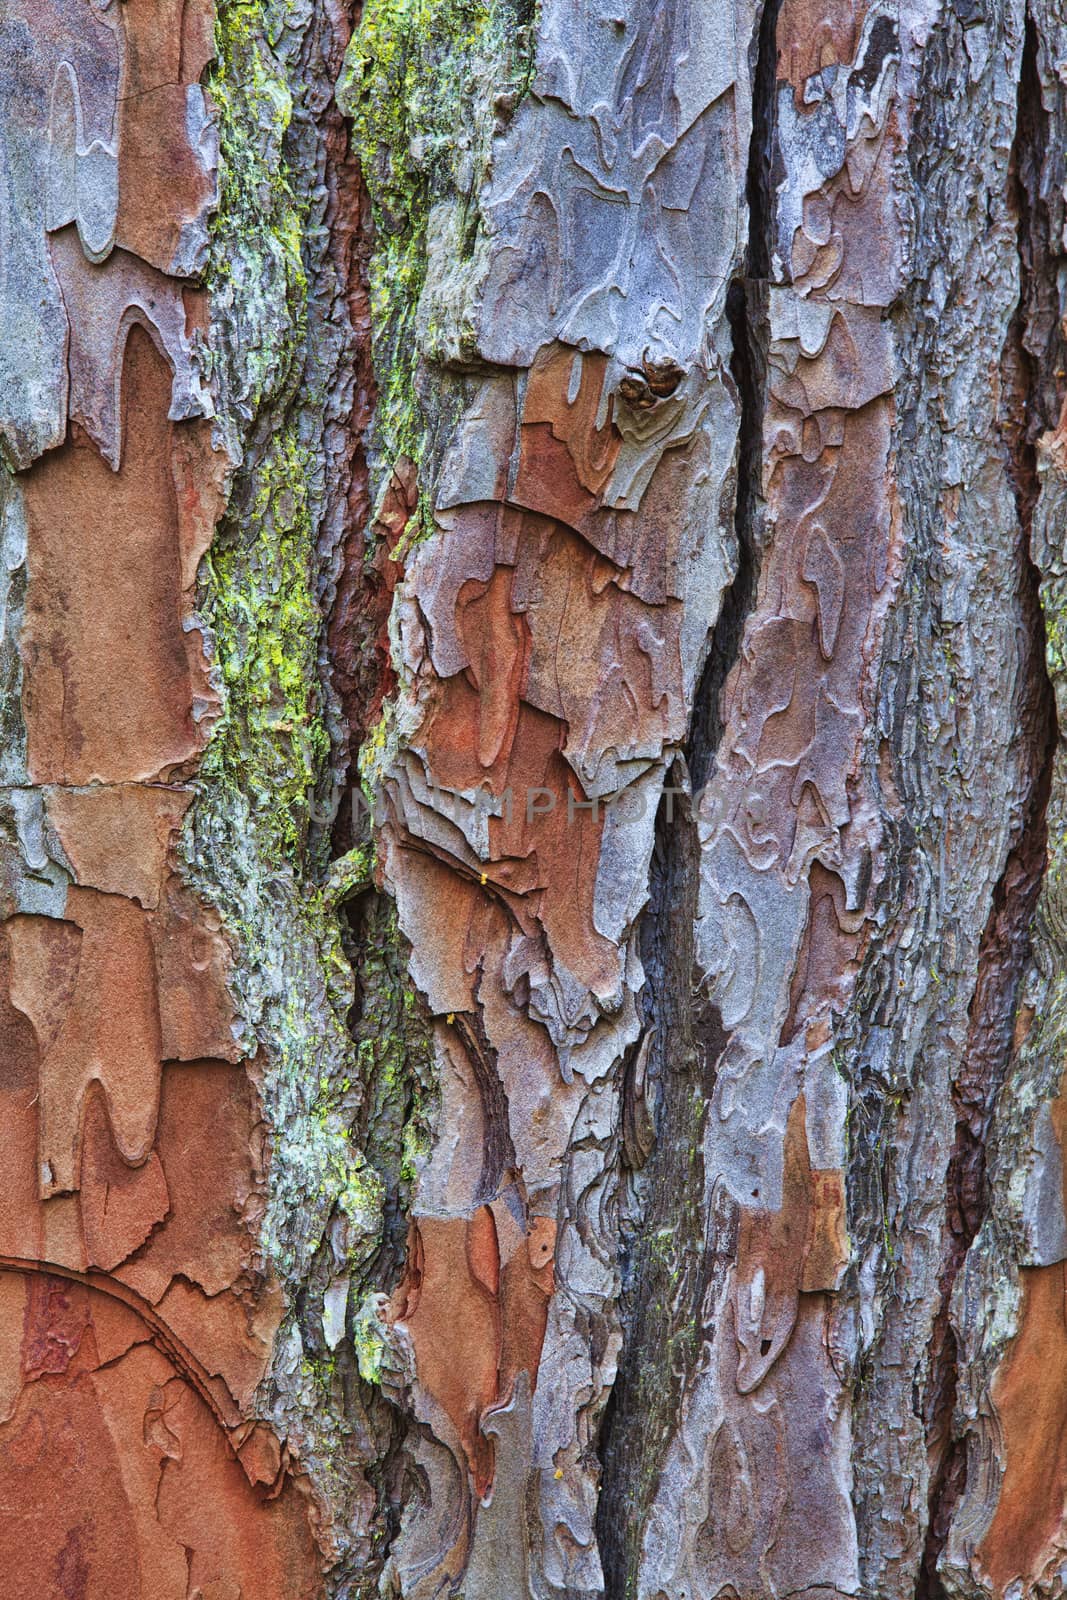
533 994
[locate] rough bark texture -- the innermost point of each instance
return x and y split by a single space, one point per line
532 815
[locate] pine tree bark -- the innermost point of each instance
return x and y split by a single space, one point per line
533 976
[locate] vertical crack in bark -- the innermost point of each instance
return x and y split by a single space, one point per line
746 308
665 1263
385 1021
673 1253
761 150
358 609
1028 407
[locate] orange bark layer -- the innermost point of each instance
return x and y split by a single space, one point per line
114 1474
800 1248
1030 1395
474 1299
136 1321
110 675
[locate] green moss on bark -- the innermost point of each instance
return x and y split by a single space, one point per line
266 770
265 621
256 843
425 82
257 273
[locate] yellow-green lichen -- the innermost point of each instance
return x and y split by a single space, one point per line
258 277
257 841
419 83
368 1339
254 842
265 620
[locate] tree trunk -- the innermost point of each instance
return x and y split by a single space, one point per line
534 985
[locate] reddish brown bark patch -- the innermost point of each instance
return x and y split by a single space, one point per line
117 1480
1030 1395
474 1300
109 683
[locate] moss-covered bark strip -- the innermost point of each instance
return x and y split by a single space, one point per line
425 84
257 840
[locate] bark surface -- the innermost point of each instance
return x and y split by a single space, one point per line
532 976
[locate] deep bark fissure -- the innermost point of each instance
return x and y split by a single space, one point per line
758 192
664 1257
384 1020
672 1252
746 309
1005 943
